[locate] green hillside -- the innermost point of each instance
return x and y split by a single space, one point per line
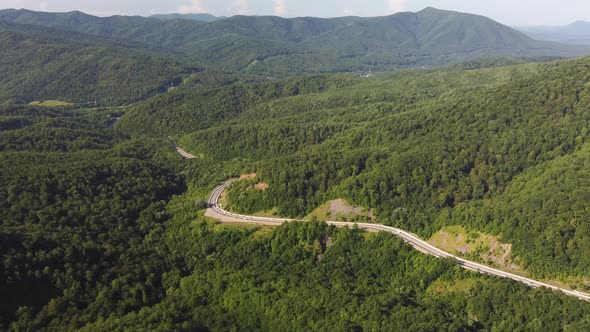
424 149
184 110
546 210
40 64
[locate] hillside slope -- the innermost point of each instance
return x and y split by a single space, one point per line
45 63
423 149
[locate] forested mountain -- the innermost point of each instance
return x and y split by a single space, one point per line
38 63
278 46
575 33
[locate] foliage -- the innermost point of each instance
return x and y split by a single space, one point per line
545 205
29 128
182 111
308 276
79 227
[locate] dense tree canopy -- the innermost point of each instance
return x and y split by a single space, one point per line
102 226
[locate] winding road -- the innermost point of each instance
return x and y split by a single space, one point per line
216 211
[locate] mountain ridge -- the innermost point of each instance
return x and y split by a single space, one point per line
577 32
277 46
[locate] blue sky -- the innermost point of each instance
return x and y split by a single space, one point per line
512 12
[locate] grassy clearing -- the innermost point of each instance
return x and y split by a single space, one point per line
50 103
258 231
475 245
489 250
274 213
262 186
250 176
573 282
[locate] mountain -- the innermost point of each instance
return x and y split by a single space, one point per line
115 27
39 63
194 17
277 46
103 226
575 33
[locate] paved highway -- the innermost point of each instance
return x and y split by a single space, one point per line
216 211
184 154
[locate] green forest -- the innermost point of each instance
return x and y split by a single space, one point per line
102 222
463 153
103 227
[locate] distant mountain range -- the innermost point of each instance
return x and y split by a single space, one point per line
194 17
575 33
277 46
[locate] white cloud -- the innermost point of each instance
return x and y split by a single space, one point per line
397 6
243 8
347 12
280 7
193 6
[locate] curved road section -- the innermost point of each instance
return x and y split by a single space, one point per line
183 153
216 211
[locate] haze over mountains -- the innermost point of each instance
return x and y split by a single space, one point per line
277 47
575 33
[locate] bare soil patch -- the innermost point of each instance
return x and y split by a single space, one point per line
340 210
262 186
250 176
339 206
484 247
